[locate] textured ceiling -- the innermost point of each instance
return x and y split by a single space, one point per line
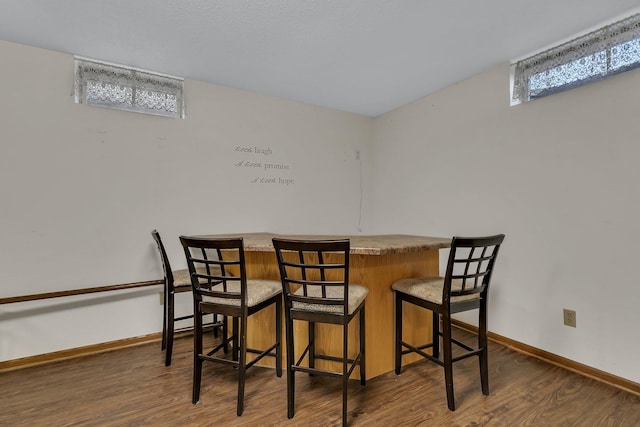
363 56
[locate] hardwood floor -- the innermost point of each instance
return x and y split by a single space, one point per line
132 387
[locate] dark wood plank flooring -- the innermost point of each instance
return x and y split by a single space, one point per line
132 387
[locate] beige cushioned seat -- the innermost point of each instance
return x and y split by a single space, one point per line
257 292
357 294
430 289
182 278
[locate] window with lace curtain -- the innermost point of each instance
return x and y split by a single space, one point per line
115 86
610 50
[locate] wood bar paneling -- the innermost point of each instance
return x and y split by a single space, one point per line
377 273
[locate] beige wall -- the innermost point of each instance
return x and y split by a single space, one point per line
558 175
82 187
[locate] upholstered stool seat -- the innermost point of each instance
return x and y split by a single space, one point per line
258 291
181 278
357 294
430 289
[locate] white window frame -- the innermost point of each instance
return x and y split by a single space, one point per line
554 70
104 84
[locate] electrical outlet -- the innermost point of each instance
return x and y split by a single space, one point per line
569 317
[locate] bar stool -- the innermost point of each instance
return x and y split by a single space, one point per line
316 288
175 281
464 287
220 286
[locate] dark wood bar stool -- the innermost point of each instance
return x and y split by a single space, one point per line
175 281
315 282
464 287
220 286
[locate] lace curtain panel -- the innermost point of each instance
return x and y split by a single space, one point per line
609 50
114 86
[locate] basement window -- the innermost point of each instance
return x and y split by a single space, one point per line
109 85
607 51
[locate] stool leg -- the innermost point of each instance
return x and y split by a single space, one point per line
312 346
447 360
278 333
483 343
435 333
242 344
164 317
345 369
197 361
290 371
225 334
363 376
169 327
398 342
235 349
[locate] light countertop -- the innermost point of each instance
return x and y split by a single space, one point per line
360 244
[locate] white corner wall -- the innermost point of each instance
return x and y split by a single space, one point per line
82 188
559 176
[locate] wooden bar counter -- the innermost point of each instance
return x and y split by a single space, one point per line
376 262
